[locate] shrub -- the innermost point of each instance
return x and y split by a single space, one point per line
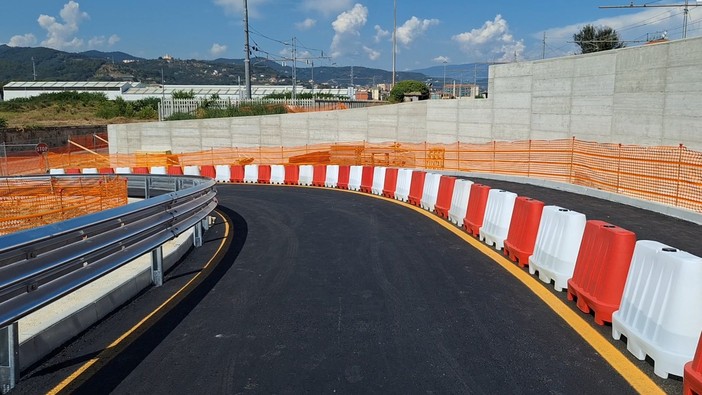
3 123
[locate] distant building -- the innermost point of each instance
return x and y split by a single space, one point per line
131 91
112 90
456 90
363 95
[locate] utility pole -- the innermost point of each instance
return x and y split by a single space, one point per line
352 76
294 69
247 49
34 69
543 47
394 40
686 10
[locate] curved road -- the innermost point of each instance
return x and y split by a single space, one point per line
322 291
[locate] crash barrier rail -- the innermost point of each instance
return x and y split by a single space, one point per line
556 245
665 174
27 203
43 264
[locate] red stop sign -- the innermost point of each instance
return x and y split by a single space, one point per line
41 148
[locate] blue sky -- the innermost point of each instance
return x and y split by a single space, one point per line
341 32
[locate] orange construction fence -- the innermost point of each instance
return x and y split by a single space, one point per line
28 203
670 175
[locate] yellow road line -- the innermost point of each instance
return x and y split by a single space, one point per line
630 372
106 354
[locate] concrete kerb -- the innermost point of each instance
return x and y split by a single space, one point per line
661 208
45 330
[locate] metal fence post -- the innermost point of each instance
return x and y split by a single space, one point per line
157 266
9 357
197 235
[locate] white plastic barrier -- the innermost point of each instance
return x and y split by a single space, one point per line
378 180
306 175
661 309
332 178
557 245
159 170
498 215
430 191
459 201
223 173
191 170
57 171
355 177
123 170
404 180
89 170
251 173
277 174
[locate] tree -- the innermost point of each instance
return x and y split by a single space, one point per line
398 92
594 39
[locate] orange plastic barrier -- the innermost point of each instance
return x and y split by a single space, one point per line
601 269
692 376
319 175
106 170
236 173
208 171
523 228
475 214
175 170
292 174
367 179
264 174
416 188
344 173
72 171
140 170
445 194
390 182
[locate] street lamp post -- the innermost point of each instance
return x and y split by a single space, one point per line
443 86
394 40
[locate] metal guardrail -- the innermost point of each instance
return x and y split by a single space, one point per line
40 265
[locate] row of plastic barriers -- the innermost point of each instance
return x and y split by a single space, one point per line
650 292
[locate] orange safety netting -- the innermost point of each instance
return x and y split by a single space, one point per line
28 203
670 175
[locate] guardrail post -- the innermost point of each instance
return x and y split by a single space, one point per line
197 235
9 357
157 266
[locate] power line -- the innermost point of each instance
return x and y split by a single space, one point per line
686 10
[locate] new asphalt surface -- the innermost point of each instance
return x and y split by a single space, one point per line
322 291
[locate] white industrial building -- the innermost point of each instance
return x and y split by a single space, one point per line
22 89
135 90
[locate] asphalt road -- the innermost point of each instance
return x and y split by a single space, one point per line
323 291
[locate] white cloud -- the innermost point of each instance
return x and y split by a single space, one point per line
218 49
380 33
25 40
326 7
100 41
493 39
62 35
114 39
236 7
306 24
413 28
372 53
346 26
441 59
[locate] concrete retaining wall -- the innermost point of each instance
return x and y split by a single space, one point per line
647 95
